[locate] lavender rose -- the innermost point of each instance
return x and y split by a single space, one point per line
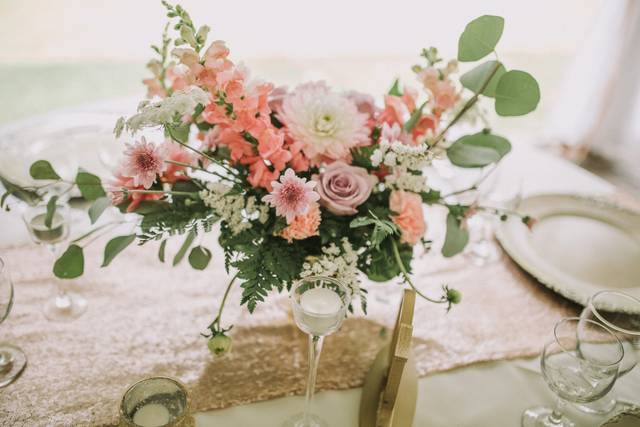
343 188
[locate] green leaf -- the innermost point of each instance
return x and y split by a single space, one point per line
517 94
480 37
115 246
430 196
383 265
183 249
361 221
51 210
89 185
476 78
456 238
71 264
478 150
415 117
162 249
179 132
395 89
199 257
42 169
98 207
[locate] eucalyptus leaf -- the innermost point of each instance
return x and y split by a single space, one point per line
183 249
477 77
517 93
71 264
480 37
115 246
199 257
98 207
51 211
456 237
179 133
161 251
89 185
478 150
42 169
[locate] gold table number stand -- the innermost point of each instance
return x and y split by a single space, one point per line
390 388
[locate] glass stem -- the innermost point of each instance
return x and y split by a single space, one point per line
315 347
556 416
63 301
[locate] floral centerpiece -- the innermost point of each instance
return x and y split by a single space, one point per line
306 181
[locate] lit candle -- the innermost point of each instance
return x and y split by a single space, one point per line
151 415
320 301
321 311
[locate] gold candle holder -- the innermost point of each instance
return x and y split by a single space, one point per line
156 402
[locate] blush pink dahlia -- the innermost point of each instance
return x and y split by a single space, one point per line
291 196
326 123
143 162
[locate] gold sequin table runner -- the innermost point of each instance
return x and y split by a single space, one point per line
144 319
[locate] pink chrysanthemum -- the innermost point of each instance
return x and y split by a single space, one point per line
291 196
143 162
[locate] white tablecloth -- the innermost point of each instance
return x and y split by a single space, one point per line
491 394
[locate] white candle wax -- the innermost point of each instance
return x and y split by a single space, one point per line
320 301
151 415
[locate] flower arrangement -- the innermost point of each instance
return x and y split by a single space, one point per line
302 182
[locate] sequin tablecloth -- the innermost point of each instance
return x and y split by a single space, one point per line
144 319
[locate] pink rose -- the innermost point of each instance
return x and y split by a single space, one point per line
409 215
343 188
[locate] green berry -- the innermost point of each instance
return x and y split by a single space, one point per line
219 344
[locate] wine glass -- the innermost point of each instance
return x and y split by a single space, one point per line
482 250
12 359
319 308
605 307
580 365
64 305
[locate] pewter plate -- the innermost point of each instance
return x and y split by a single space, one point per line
578 247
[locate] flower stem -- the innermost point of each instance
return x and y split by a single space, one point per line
173 193
187 165
467 106
201 153
407 279
224 300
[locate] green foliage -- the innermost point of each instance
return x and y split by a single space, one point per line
199 257
415 118
161 219
456 238
380 264
480 37
184 248
362 156
98 207
395 89
162 250
517 94
42 169
28 196
478 150
71 264
51 210
265 265
115 246
430 197
476 78
178 132
382 228
89 185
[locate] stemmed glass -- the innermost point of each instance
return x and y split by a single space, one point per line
580 365
64 305
620 313
12 359
319 308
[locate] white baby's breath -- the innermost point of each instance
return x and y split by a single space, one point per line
238 211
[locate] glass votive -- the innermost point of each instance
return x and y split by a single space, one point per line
156 402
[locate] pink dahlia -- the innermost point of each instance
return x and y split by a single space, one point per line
291 196
143 162
328 124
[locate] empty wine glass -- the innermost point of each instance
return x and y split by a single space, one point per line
620 313
50 232
319 308
580 365
482 250
12 359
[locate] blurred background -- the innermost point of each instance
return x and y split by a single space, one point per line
68 53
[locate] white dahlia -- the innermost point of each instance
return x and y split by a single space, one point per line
326 123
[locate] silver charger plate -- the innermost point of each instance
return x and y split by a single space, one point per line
579 245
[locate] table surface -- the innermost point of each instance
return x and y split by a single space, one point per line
488 394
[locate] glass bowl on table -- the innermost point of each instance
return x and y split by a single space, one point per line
580 365
50 227
12 359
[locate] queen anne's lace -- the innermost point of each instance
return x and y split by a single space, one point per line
237 211
337 261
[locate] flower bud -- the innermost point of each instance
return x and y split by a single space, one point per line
219 344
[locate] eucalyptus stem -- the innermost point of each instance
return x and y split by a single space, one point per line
173 193
187 165
467 106
407 279
201 153
90 232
